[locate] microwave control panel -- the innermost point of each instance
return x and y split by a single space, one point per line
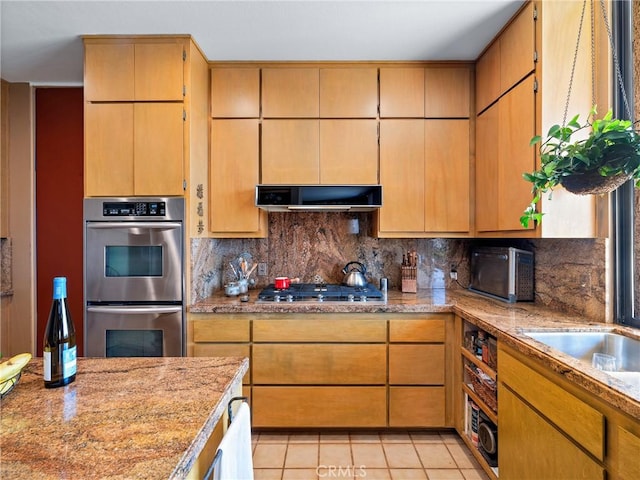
134 209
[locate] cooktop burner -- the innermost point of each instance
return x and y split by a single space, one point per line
320 292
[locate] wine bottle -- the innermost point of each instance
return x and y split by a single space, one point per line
59 344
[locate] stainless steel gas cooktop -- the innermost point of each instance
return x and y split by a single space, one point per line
320 292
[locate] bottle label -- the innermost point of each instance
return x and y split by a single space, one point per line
68 360
47 366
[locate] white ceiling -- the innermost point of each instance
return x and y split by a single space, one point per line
40 40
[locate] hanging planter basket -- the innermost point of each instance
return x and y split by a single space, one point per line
592 183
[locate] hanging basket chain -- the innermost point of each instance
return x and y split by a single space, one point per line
616 63
573 66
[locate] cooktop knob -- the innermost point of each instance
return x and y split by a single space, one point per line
350 297
320 297
289 298
276 298
363 298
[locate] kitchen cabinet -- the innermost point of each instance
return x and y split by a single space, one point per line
234 172
533 51
571 429
222 336
475 398
402 92
347 372
503 132
425 172
290 152
312 152
133 149
337 370
235 92
349 92
509 59
147 69
291 92
447 91
145 114
417 366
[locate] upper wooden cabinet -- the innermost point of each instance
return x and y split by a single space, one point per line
447 91
147 70
235 92
425 173
290 92
509 59
290 151
402 92
349 92
234 171
4 159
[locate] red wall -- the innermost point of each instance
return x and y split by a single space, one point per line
59 195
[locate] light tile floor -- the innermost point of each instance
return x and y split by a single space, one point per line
372 456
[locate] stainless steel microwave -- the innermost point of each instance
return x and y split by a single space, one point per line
505 273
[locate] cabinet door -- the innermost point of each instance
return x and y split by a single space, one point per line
108 147
159 71
348 151
402 175
290 92
402 92
234 173
348 92
447 176
290 152
446 92
417 407
516 120
487 132
109 71
517 49
158 149
416 364
310 407
551 454
235 92
488 77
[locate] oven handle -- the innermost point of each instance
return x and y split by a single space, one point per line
156 225
136 310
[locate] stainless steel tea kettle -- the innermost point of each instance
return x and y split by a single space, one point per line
354 274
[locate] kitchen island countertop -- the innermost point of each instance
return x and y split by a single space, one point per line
508 322
122 418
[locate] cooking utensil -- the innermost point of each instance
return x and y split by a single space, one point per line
282 283
354 274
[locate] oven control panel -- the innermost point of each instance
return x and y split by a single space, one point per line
134 209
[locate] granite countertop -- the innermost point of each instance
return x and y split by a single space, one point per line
508 322
146 418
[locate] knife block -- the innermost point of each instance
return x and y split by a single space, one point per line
409 279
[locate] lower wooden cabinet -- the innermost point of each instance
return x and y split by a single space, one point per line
336 370
326 406
417 406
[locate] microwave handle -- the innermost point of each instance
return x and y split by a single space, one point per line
139 310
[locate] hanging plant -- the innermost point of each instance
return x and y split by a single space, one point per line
608 157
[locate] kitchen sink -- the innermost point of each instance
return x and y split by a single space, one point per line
582 346
630 378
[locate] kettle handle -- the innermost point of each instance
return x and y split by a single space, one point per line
346 270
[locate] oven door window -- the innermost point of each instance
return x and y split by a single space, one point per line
133 261
134 343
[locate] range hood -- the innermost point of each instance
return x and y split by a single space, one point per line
319 198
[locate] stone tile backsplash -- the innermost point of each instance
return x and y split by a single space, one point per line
570 274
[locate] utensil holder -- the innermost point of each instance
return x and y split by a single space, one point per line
409 279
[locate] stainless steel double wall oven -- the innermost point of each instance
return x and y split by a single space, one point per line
134 277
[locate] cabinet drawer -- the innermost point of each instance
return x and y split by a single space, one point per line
321 364
341 407
320 328
585 424
416 364
211 329
224 350
416 407
418 329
